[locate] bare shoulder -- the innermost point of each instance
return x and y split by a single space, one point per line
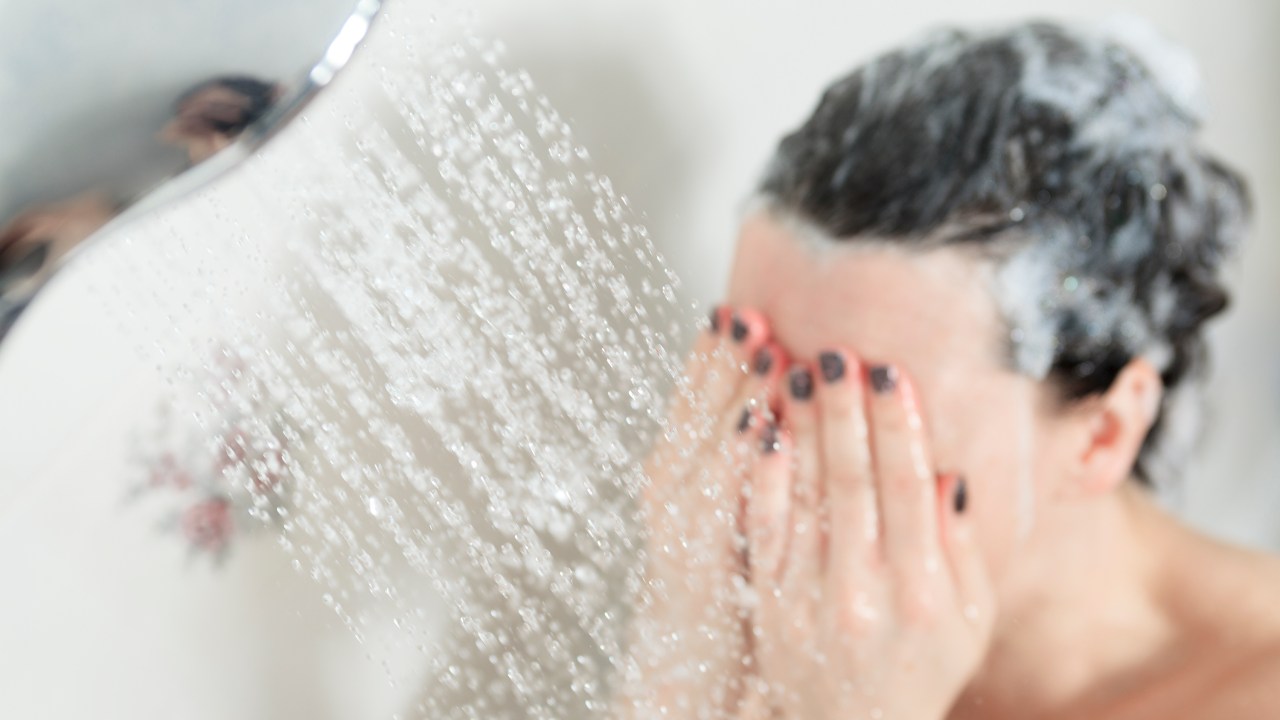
1246 688
1238 589
1233 599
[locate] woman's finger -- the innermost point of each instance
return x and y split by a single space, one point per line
801 423
717 369
904 477
706 377
691 403
771 362
968 568
727 459
703 345
846 468
744 334
750 404
769 510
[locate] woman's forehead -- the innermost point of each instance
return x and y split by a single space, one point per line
917 309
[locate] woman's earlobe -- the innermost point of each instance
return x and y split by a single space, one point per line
1107 457
1073 439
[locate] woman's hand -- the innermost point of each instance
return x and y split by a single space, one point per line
689 638
872 600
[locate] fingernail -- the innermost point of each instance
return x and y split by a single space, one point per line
745 421
715 320
961 499
739 329
884 378
763 361
832 365
801 382
770 442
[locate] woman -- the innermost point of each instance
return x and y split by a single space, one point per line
909 474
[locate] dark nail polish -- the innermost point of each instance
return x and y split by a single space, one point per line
801 382
715 321
884 378
832 365
961 499
739 329
763 361
745 421
770 442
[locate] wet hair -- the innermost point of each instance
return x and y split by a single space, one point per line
1061 156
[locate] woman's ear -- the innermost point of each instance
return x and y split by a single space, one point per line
1112 427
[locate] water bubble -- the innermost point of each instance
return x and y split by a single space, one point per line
971 612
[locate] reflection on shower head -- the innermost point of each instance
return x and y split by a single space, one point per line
209 116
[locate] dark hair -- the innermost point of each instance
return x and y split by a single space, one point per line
1049 136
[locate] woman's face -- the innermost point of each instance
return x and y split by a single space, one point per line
930 314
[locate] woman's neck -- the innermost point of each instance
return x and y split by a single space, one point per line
1085 621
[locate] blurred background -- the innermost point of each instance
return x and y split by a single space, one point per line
679 104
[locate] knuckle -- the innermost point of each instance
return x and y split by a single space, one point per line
764 540
844 476
891 428
854 626
857 621
899 480
839 404
918 608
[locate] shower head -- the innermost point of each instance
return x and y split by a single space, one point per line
118 106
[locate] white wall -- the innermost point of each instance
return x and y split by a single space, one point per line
679 102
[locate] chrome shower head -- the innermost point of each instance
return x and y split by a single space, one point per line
116 107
